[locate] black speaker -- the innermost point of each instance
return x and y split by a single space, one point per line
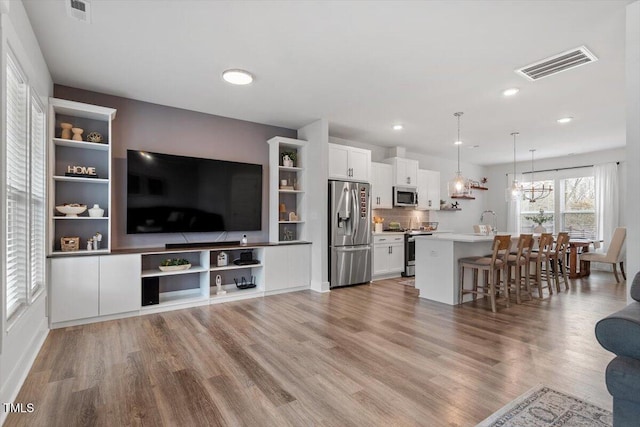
150 291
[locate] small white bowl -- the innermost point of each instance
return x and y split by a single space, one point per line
71 211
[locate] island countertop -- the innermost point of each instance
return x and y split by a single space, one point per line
458 237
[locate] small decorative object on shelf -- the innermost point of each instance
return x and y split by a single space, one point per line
90 244
68 244
77 134
81 171
97 238
455 205
66 130
288 159
293 216
287 235
219 290
174 264
94 137
283 183
484 180
243 241
96 211
296 185
243 284
71 210
223 259
283 211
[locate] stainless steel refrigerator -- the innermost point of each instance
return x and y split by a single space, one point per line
349 233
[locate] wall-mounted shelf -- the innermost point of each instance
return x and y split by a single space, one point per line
463 197
479 188
450 209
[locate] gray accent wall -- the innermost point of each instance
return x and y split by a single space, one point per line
144 126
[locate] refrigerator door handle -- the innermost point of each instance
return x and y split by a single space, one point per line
352 249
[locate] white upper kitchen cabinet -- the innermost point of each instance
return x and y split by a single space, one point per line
381 186
405 171
349 163
428 190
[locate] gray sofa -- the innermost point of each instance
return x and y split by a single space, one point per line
620 334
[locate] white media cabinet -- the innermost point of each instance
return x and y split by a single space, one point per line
93 288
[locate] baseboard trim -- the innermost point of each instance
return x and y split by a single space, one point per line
19 374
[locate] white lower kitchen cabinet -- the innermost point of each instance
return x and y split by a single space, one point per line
74 288
388 255
119 284
287 267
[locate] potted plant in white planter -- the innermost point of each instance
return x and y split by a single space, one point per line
289 158
539 219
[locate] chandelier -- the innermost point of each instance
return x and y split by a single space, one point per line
459 186
514 191
535 191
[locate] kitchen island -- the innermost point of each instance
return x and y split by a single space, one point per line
437 263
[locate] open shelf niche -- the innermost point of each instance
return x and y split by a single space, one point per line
287 190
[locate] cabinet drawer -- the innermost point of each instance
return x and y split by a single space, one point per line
387 238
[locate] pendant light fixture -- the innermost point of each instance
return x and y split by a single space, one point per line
514 191
459 186
535 192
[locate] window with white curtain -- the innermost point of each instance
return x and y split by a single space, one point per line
577 207
25 191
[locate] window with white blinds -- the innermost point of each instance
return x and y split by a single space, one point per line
38 197
17 181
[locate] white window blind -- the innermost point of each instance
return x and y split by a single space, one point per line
17 188
38 195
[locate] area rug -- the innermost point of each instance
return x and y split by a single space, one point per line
545 407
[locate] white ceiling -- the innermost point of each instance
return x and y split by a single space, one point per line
363 65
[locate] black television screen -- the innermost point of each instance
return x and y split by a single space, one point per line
176 194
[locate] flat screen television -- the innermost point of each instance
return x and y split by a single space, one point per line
177 194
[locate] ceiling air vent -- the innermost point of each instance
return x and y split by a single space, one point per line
558 63
79 10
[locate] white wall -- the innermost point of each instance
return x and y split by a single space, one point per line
458 221
633 137
21 342
498 175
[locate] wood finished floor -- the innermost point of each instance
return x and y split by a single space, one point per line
362 356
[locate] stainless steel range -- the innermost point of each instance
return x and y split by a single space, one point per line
410 251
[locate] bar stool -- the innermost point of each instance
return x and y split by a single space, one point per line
520 261
540 259
559 257
491 267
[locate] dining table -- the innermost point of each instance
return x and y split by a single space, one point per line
578 245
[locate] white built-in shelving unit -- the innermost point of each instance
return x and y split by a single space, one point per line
72 189
291 197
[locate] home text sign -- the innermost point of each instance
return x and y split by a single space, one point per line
82 171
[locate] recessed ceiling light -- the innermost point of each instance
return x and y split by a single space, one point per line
398 127
237 77
510 92
457 143
565 120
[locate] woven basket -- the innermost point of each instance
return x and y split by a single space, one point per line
70 243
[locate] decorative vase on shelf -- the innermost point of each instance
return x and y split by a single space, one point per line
66 130
77 134
539 229
287 162
96 211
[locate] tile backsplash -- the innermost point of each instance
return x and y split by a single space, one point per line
405 216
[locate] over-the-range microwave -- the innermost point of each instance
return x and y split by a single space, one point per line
405 196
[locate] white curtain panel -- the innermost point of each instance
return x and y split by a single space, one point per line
607 203
513 208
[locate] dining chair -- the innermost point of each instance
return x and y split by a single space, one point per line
520 262
559 260
491 268
541 258
612 256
